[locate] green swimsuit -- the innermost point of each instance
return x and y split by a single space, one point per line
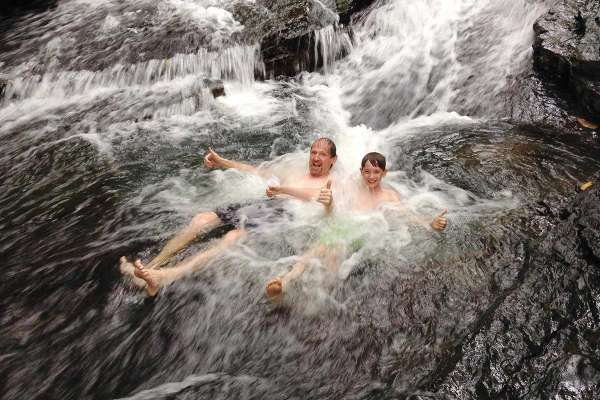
345 232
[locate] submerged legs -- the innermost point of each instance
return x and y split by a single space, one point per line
201 223
155 278
276 287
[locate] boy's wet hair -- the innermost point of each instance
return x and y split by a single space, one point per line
332 149
375 159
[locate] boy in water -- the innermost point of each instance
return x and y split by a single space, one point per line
343 235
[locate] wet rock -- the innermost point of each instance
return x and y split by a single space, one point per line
113 34
534 102
540 335
286 30
500 158
567 52
216 87
4 82
15 7
347 8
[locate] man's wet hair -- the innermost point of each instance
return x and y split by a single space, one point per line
332 149
375 159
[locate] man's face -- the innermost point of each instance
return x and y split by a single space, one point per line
372 175
320 161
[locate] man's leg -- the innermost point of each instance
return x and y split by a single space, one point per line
155 278
201 223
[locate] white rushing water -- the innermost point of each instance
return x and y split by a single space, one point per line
104 125
414 64
421 57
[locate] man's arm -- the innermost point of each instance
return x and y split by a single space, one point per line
323 195
305 194
213 160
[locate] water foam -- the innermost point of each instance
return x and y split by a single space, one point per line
428 56
234 63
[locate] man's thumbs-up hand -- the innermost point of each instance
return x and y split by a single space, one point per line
440 222
273 191
212 159
325 195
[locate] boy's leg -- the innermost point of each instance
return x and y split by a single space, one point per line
277 286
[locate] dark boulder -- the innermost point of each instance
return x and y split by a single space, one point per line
287 30
567 52
16 7
4 82
347 8
540 338
216 87
542 104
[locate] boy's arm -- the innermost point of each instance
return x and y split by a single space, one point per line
438 224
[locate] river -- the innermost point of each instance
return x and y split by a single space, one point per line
103 129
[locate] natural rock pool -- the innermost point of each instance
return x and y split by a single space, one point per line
104 122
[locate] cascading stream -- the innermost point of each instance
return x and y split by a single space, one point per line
103 127
441 56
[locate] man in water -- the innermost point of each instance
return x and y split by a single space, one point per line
343 234
152 277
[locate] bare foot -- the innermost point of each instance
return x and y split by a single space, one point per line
274 289
128 270
152 277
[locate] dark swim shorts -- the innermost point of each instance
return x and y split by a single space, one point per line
251 214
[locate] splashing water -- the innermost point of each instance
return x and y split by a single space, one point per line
104 125
440 56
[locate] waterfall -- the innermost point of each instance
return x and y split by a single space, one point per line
67 65
426 56
238 63
105 120
331 43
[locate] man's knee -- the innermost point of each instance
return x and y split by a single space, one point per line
234 235
205 219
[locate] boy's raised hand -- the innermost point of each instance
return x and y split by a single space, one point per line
440 222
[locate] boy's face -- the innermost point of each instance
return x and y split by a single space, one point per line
372 175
